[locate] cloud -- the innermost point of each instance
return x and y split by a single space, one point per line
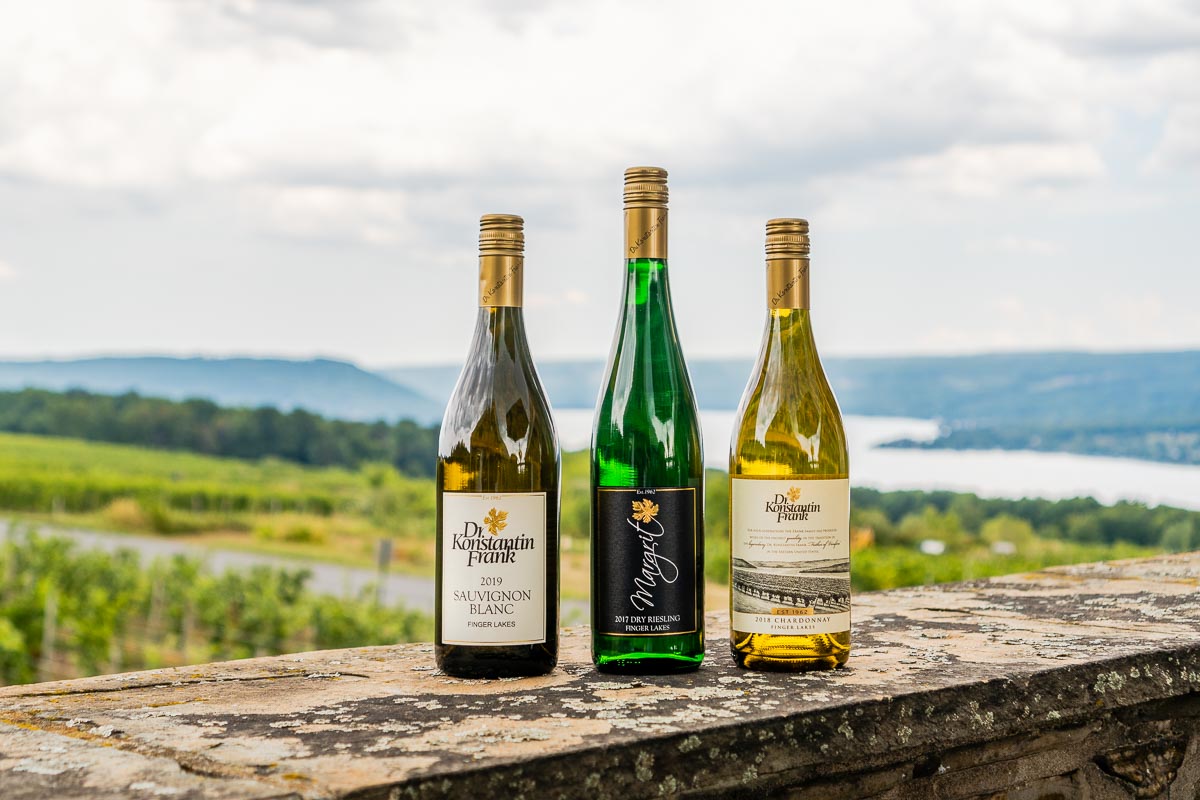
1111 29
933 146
989 170
571 297
347 24
7 271
1017 245
331 212
1127 321
1179 147
251 94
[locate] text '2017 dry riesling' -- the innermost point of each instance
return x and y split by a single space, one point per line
498 488
647 467
789 492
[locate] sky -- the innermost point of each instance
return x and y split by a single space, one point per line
297 178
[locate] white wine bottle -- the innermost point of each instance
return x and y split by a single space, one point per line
789 487
498 488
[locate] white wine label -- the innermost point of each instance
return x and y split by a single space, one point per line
493 568
790 555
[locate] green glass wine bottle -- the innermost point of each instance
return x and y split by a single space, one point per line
498 488
789 487
647 467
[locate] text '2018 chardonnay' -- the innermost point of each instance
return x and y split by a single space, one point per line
498 487
647 467
789 493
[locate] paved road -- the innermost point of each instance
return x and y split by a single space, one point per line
335 579
411 591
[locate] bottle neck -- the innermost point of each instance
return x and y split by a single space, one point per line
790 329
646 232
500 334
501 280
787 284
788 352
500 325
789 335
647 284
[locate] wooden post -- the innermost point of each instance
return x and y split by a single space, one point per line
49 635
383 559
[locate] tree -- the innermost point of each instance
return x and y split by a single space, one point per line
1181 536
1005 528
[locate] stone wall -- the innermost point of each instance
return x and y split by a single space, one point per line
1076 682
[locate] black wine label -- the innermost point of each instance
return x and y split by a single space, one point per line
645 562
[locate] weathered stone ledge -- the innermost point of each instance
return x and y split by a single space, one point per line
1072 682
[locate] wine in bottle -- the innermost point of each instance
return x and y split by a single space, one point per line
498 488
789 487
647 468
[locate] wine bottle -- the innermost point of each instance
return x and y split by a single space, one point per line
647 467
789 487
498 488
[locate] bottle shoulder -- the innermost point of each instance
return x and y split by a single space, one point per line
648 439
642 363
788 421
498 406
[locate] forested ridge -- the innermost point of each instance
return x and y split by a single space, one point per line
1139 405
1172 443
202 426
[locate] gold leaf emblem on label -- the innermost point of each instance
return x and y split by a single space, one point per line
495 521
793 494
644 510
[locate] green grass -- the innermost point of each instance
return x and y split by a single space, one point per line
83 458
338 515
267 506
67 611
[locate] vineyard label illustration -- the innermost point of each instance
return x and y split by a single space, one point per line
790 559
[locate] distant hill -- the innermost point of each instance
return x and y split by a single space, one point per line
330 388
1042 388
1134 405
1144 405
568 384
1137 405
576 384
1053 389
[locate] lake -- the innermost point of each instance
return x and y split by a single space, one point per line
990 473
